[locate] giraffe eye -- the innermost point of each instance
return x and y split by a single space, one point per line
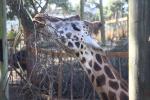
75 27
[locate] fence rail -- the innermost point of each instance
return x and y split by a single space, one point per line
116 28
65 55
117 54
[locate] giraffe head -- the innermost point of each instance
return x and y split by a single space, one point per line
71 32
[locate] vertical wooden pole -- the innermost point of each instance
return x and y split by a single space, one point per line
4 63
139 50
60 79
82 9
102 20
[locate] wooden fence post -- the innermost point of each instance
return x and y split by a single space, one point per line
139 50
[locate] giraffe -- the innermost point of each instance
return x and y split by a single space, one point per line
76 35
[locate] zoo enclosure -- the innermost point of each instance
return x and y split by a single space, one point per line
50 60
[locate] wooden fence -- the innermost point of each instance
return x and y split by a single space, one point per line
116 28
63 54
117 54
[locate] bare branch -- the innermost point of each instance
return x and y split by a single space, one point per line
33 5
44 7
39 4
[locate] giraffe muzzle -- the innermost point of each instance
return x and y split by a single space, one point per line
92 42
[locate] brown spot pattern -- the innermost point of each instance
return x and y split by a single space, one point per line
63 39
112 95
86 52
68 35
92 78
89 71
123 96
96 67
77 44
109 72
104 59
100 80
81 46
98 58
104 96
90 63
77 54
124 86
70 44
83 60
114 85
91 52
76 38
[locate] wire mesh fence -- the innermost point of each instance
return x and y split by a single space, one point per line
55 75
41 70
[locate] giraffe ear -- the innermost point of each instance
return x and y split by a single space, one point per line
96 27
96 30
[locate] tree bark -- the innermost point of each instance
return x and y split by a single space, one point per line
82 9
28 29
4 54
20 11
102 20
139 49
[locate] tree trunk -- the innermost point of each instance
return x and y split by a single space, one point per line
82 9
20 11
28 29
139 49
4 54
102 20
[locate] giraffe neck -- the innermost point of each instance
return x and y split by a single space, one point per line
102 76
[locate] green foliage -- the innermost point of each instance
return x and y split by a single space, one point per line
11 34
107 12
115 9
